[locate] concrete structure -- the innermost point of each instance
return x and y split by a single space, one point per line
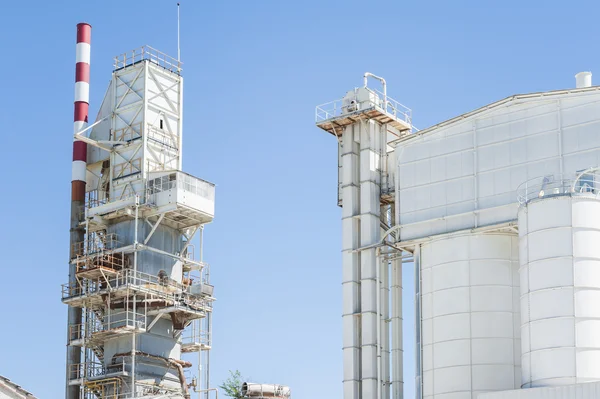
498 210
10 390
138 296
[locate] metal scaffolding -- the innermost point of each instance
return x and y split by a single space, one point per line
143 297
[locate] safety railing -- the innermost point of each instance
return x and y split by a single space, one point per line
91 370
80 288
147 53
163 287
582 183
113 321
86 370
196 334
106 388
113 261
94 198
184 181
395 108
336 108
96 243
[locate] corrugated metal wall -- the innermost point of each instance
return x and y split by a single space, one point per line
477 163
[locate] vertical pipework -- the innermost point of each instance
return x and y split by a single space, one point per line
370 233
418 322
351 262
396 320
82 88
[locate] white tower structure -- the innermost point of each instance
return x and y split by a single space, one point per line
498 210
367 123
145 299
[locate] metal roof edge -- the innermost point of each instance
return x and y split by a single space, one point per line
497 104
17 388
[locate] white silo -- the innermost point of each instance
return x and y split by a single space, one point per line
469 285
559 229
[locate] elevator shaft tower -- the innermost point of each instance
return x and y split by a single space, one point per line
141 298
367 123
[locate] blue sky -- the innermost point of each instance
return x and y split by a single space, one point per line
254 70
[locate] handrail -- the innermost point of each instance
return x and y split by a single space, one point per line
208 390
147 53
165 182
113 321
87 370
336 108
134 279
583 182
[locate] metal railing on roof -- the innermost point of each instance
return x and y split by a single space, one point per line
339 107
147 53
585 182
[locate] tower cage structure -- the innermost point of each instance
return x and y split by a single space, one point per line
139 292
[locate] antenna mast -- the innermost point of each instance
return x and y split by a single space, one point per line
178 45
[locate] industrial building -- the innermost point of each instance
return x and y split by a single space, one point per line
498 211
139 292
10 390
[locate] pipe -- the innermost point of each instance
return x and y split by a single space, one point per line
351 304
378 327
135 252
186 391
78 178
418 321
385 314
383 83
207 391
396 319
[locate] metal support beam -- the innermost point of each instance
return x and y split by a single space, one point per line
160 218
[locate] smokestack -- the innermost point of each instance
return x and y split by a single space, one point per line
583 79
82 101
78 172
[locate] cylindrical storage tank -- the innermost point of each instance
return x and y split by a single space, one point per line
250 390
470 315
560 289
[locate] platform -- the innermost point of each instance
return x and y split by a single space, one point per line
334 116
184 200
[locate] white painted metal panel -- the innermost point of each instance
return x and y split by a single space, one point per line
465 173
576 391
560 283
470 315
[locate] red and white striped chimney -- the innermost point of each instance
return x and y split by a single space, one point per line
82 101
77 234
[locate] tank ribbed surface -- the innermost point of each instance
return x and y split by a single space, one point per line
560 290
470 315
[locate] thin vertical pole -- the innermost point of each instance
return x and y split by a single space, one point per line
133 335
178 42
